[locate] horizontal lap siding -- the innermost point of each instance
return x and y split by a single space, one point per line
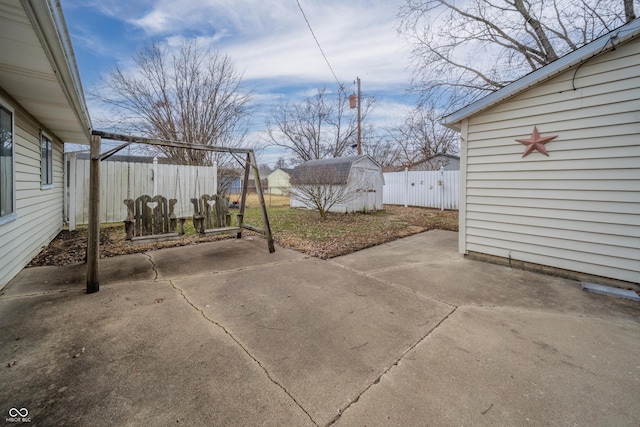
39 211
579 208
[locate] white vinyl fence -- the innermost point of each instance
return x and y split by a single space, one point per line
432 189
120 180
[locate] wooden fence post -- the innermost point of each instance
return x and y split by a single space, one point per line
93 231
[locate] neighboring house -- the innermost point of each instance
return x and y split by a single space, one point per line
434 163
577 207
360 175
41 107
279 181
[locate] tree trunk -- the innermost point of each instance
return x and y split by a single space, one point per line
537 28
629 12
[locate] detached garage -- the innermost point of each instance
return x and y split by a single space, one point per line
550 165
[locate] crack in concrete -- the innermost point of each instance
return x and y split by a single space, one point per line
153 266
389 368
251 356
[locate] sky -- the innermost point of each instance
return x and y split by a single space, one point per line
268 41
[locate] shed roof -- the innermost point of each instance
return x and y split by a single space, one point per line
598 46
326 171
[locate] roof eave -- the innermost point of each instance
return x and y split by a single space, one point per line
48 22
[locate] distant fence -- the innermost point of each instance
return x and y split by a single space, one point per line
120 180
432 189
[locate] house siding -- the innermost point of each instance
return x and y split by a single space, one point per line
579 208
39 212
278 182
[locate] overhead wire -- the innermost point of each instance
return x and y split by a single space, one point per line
304 15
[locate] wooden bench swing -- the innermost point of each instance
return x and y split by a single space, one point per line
153 218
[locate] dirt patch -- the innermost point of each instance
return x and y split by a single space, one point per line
339 234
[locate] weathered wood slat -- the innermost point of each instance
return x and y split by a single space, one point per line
254 228
221 230
155 238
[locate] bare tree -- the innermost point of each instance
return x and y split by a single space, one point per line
479 46
321 126
190 95
227 176
421 136
318 186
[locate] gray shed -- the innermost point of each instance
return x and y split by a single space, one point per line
359 178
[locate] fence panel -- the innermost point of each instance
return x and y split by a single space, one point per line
432 189
124 180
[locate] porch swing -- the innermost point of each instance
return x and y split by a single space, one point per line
93 230
152 219
211 213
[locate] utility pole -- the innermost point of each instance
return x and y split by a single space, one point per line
359 129
353 102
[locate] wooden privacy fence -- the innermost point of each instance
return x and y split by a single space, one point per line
431 189
122 180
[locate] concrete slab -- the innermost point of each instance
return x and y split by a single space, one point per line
134 354
325 334
417 249
488 366
407 333
224 255
123 269
454 280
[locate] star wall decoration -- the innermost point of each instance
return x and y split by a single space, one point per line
536 142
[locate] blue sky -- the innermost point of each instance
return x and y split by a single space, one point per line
267 40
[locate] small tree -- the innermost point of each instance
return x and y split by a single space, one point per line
421 136
319 187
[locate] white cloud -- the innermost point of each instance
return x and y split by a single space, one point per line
270 39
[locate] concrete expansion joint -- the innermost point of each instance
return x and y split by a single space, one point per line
369 274
389 368
153 266
247 352
235 270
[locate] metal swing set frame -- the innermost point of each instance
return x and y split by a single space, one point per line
93 232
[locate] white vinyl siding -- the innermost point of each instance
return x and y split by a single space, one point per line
39 215
579 208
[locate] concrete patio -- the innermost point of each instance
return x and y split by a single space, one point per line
406 333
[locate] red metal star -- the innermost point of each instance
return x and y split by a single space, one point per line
536 142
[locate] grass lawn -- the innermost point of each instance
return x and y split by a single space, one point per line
298 229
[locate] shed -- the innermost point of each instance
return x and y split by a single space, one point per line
358 176
279 181
41 107
550 165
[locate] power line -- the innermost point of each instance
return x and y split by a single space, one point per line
319 47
